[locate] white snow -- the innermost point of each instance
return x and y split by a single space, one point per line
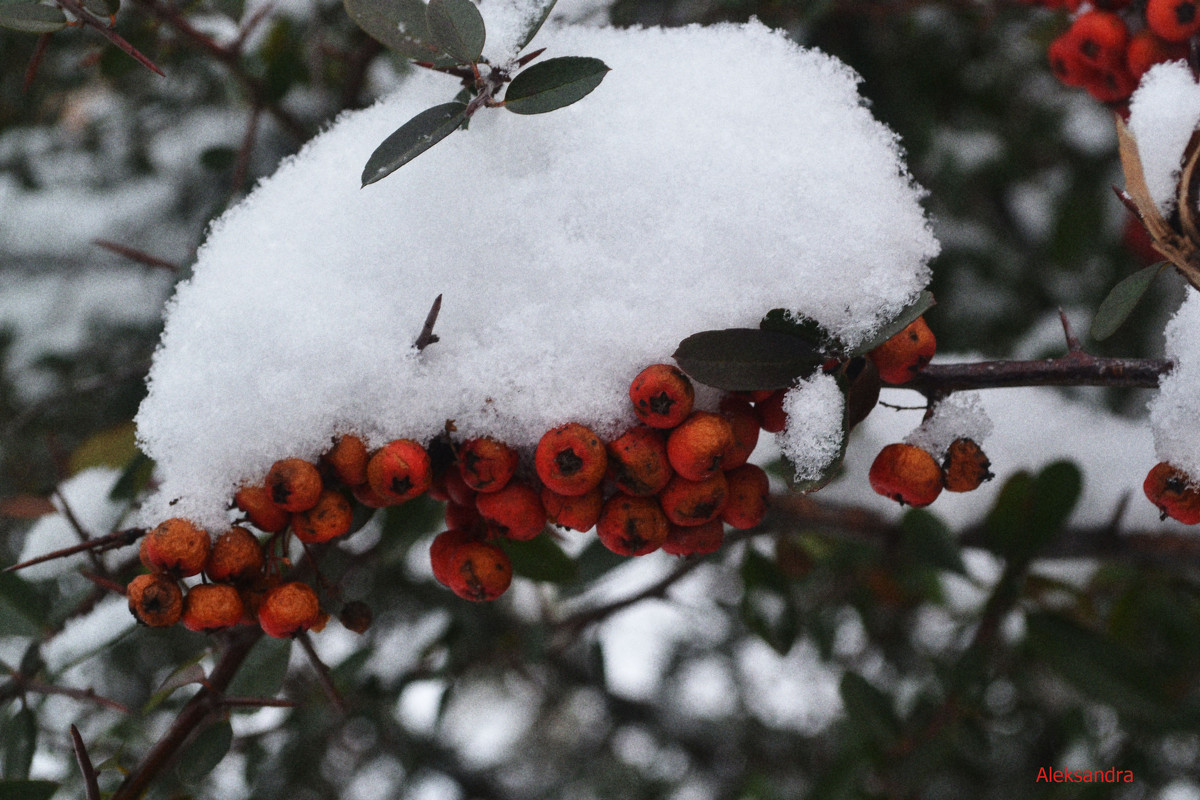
961 415
1175 411
87 497
572 249
813 436
1163 113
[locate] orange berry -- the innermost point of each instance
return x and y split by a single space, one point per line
637 461
695 540
965 466
749 489
515 511
399 471
462 516
1173 492
155 600
771 416
1100 38
330 518
293 484
442 550
236 555
364 494
696 449
694 502
179 547
1146 49
632 526
289 609
1065 61
900 357
263 514
212 607
486 465
479 571
744 422
577 513
1173 20
570 459
906 474
348 460
662 396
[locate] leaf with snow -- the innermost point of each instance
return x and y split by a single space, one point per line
413 138
399 25
746 359
551 85
457 28
543 9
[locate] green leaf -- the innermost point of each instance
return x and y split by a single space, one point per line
32 18
552 84
767 607
399 25
185 675
923 303
868 710
206 751
413 138
263 672
1053 496
1006 523
540 559
19 739
1030 511
102 8
1121 301
457 28
27 790
783 321
926 540
535 22
746 359
23 609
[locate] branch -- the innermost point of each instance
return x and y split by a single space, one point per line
91 785
323 673
427 337
100 26
1074 369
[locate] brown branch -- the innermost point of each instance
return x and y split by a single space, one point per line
427 337
258 702
91 784
133 254
1073 369
35 61
102 27
109 542
87 695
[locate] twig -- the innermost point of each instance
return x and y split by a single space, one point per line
258 702
101 27
427 337
104 583
88 695
242 168
84 536
133 254
1075 369
90 783
1073 345
326 678
35 61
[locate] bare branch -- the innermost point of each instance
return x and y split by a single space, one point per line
323 673
427 336
133 254
91 784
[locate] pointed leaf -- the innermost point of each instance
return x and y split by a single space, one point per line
782 321
926 540
205 752
457 28
552 84
745 359
19 742
1121 301
185 675
32 18
23 608
27 790
264 670
1055 492
399 25
923 303
413 138
543 9
540 559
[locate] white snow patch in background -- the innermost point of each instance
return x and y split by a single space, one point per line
86 494
961 415
85 636
572 250
1163 113
1175 411
813 436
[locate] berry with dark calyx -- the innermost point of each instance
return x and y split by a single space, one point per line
479 571
1173 492
355 616
289 609
749 489
399 471
695 540
632 526
662 396
576 513
1066 63
348 460
1174 20
293 484
902 356
178 546
155 600
1100 38
638 463
965 466
694 502
441 551
331 517
906 474
236 555
486 465
571 459
515 512
771 416
261 511
211 607
696 449
744 421
1111 84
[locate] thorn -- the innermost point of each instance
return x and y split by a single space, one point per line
1073 345
109 542
91 785
427 337
136 255
104 583
525 59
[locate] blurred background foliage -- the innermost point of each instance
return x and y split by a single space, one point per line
829 655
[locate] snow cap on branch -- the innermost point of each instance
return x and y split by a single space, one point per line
1163 114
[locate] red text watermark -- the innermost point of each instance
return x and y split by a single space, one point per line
1112 775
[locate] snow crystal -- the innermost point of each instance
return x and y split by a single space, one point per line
572 249
960 415
1163 113
813 437
1175 411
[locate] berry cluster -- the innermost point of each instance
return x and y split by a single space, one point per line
911 475
1110 46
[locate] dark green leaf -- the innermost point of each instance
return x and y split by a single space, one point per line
19 741
457 28
868 710
746 359
23 609
206 751
413 138
1121 301
923 303
1006 525
535 22
27 790
594 561
263 672
32 18
540 559
134 477
552 84
399 25
184 675
810 330
926 540
1053 496
862 393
